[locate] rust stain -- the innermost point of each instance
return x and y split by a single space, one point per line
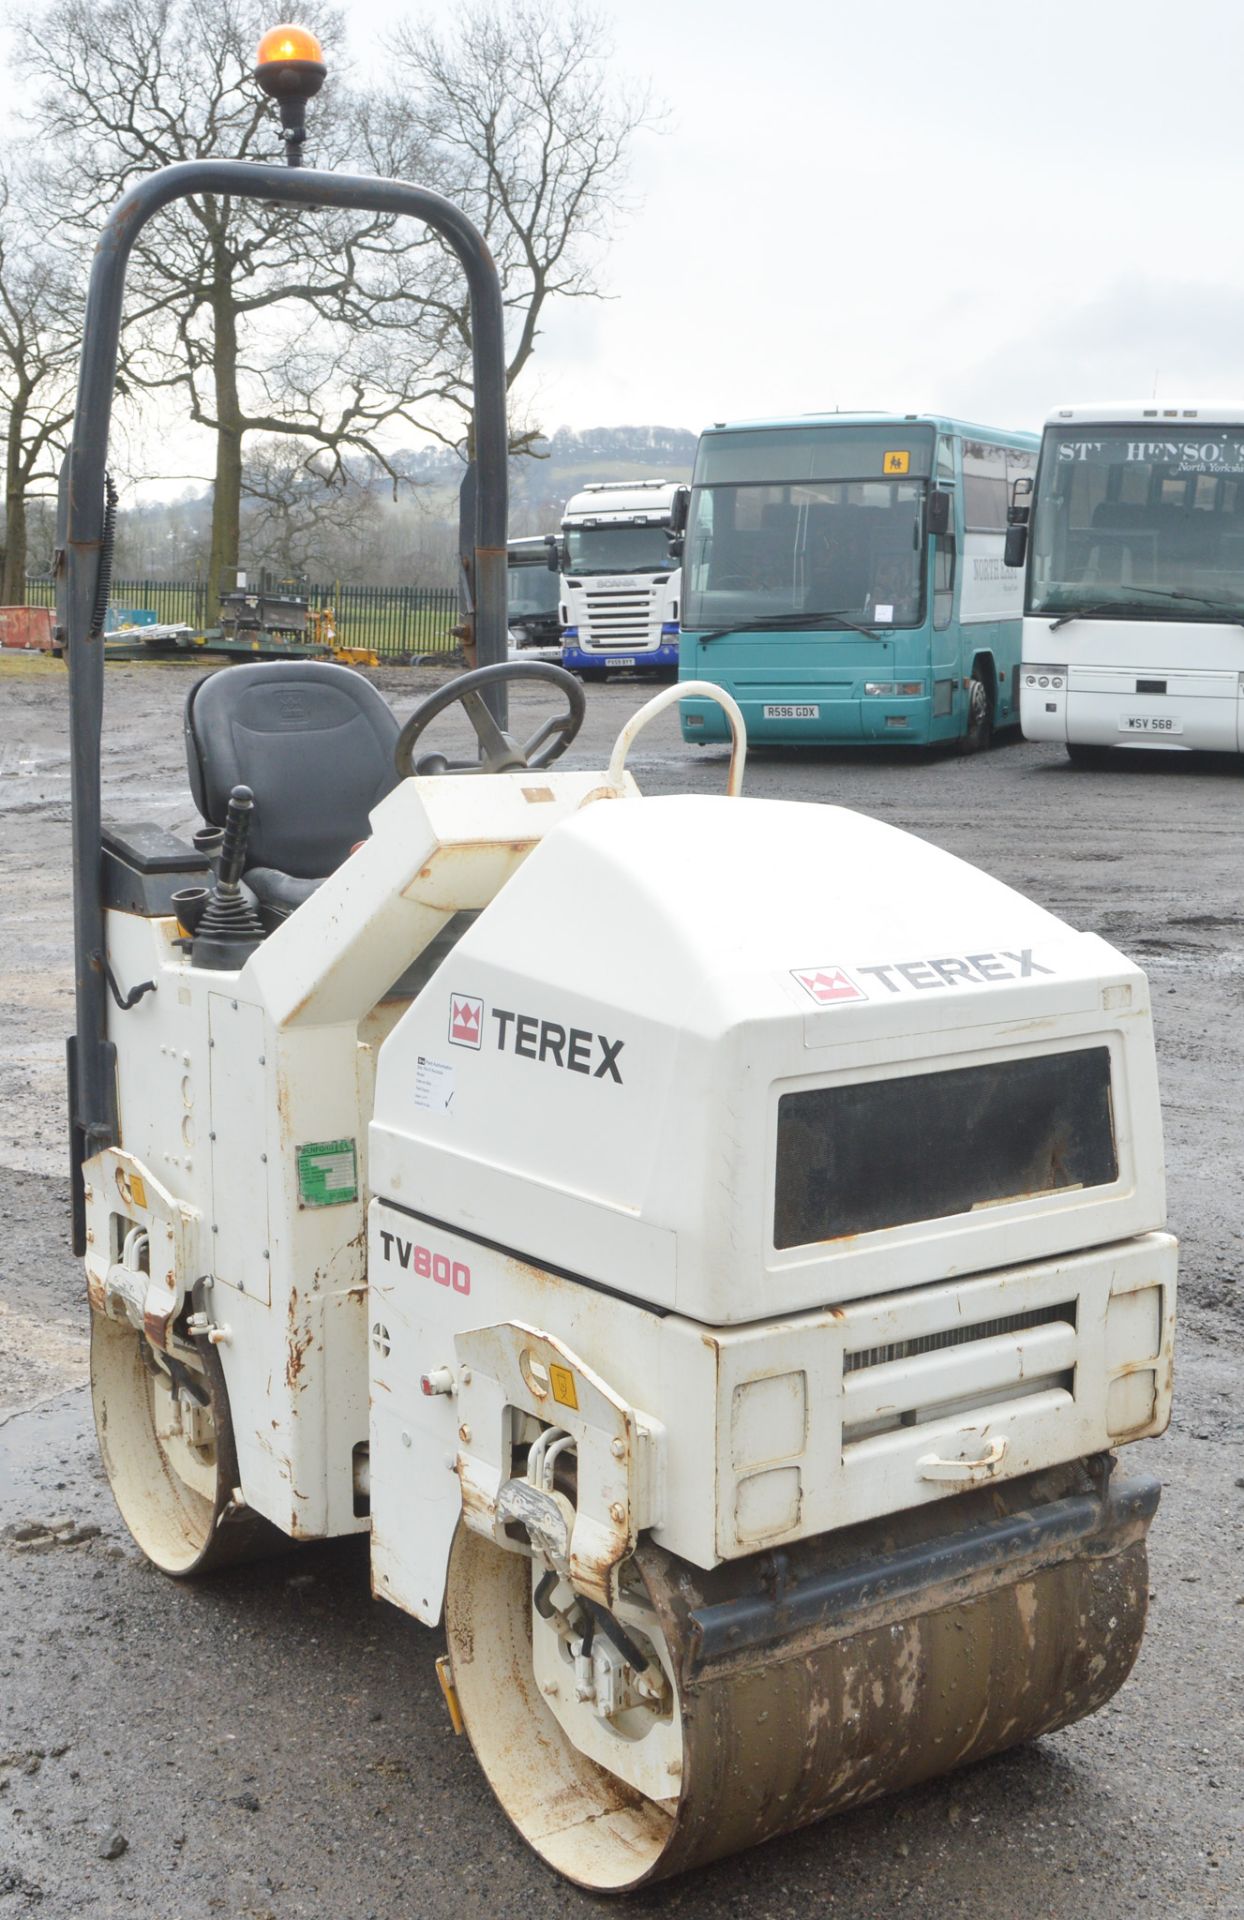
285 1119
295 1360
300 1340
156 1326
524 1270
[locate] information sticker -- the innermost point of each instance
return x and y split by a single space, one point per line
327 1173
896 462
434 1085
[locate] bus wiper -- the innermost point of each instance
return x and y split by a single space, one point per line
1100 606
789 622
1200 599
1155 593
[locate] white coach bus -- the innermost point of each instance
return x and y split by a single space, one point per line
1134 603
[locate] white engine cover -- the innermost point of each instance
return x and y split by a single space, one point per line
592 1080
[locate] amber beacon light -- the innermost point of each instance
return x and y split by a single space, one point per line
289 66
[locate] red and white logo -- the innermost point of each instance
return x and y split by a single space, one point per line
466 1021
828 986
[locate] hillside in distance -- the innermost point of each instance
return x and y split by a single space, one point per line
565 461
295 528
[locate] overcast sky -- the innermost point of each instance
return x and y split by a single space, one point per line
977 208
986 209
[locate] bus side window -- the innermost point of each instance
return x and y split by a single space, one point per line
943 579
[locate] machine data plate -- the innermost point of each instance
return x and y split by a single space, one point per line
327 1173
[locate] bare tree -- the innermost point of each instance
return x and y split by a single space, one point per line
40 318
131 85
306 512
332 327
523 124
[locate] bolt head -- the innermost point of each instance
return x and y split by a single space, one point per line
617 1513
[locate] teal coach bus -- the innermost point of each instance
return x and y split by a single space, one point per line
843 578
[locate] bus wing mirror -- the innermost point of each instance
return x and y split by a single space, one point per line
1015 546
939 511
676 546
553 558
1021 501
678 510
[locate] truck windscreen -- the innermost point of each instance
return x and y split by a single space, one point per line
531 590
1134 516
618 549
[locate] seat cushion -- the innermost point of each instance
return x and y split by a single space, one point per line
314 742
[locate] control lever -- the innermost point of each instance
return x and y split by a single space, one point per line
230 929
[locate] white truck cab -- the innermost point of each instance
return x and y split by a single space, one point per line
620 586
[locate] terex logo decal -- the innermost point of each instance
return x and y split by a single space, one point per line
573 1048
831 986
956 970
466 1021
826 985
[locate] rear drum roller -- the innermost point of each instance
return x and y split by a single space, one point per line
793 1685
167 1446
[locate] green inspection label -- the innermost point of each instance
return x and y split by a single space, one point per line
327 1173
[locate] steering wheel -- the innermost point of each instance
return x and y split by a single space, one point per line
499 752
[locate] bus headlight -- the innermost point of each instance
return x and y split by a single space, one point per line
1044 676
894 689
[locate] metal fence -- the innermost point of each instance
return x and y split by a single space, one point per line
395 622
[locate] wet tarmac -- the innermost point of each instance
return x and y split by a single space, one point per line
273 1743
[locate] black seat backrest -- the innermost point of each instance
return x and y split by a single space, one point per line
314 743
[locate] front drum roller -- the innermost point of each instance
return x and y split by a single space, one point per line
812 1679
167 1445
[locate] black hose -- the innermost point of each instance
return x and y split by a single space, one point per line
103 583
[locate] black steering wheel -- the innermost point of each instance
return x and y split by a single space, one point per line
499 752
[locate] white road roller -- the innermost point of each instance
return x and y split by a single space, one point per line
714 1245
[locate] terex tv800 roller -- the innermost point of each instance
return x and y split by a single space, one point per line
714 1246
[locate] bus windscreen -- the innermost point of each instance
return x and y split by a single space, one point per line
1128 517
815 520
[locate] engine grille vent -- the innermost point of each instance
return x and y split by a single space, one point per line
959 1336
621 617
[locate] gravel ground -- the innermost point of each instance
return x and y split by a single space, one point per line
272 1744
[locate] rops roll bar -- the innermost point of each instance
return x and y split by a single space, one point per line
83 562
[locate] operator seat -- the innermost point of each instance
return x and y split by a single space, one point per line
314 743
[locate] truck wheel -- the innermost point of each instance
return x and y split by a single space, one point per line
167 1446
979 733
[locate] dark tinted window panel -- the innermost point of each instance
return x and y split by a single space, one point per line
884 1153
